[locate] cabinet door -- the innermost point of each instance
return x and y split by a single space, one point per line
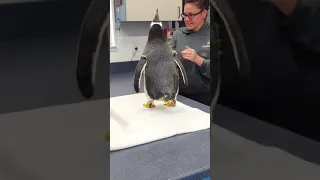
140 10
144 10
170 10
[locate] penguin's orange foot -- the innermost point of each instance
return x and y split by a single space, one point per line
149 104
170 104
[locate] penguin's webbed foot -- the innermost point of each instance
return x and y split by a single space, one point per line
149 104
170 103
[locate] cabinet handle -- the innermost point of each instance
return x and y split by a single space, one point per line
179 12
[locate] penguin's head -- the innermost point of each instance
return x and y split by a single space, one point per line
156 30
156 20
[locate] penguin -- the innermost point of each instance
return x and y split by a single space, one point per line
221 9
93 29
160 68
96 22
224 11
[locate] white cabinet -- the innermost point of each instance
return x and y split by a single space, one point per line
144 10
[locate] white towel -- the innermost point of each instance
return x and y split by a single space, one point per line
131 124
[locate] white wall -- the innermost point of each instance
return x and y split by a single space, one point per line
131 35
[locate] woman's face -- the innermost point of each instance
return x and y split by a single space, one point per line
196 18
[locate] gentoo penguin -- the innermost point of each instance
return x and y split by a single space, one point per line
93 28
222 10
160 68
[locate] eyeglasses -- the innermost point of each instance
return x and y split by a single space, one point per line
183 15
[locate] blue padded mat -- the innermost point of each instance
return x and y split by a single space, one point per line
200 174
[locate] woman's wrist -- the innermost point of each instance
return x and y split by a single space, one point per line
199 60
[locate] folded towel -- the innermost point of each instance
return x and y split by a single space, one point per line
131 124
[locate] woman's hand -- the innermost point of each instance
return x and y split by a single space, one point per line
191 55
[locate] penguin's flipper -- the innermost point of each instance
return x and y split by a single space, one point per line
183 71
239 49
138 73
95 23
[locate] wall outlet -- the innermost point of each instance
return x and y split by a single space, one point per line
130 37
136 53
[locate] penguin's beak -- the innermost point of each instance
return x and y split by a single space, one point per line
239 48
95 23
156 19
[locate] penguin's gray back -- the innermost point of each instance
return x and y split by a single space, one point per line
161 72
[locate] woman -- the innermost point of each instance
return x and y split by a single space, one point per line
187 41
